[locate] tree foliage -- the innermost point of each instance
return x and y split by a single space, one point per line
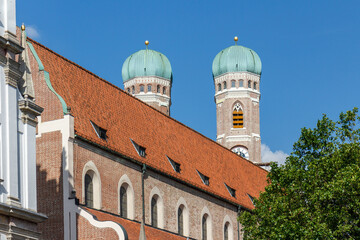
316 193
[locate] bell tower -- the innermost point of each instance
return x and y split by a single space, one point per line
236 72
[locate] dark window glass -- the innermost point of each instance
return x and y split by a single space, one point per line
241 83
133 90
204 228
154 213
141 88
225 85
164 90
158 89
226 231
249 84
123 202
219 87
233 83
180 221
89 191
128 90
255 85
149 88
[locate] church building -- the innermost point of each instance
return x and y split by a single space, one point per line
112 164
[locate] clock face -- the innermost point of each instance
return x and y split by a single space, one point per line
241 151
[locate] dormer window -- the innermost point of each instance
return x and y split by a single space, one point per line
139 149
232 191
100 132
251 198
204 178
175 165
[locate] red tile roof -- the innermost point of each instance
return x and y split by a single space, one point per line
133 228
91 98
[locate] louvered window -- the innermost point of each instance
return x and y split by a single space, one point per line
89 191
123 202
204 228
180 221
154 213
238 116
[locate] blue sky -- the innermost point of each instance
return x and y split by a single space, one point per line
309 51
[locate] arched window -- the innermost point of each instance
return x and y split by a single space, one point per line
204 227
141 88
128 90
249 84
123 202
224 85
241 83
89 191
133 90
154 212
226 231
255 85
181 220
158 89
149 88
219 87
238 116
232 83
164 90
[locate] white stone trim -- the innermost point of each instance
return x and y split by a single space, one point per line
237 76
125 180
206 211
186 219
146 80
160 206
153 97
92 170
238 138
237 93
231 229
103 224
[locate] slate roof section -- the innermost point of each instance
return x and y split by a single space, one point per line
133 228
92 98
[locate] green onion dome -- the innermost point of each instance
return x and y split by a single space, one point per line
146 63
236 59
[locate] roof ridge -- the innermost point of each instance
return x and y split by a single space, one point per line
116 87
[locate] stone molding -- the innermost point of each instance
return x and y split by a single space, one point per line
239 138
153 97
29 111
236 93
21 213
237 76
12 72
138 80
10 42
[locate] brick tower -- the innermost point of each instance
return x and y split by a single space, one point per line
236 72
147 75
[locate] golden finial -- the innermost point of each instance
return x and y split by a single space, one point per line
23 27
236 39
146 42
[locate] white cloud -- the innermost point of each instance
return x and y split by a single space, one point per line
268 156
32 32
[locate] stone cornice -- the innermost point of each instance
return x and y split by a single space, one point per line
21 213
154 97
236 93
147 79
29 111
237 76
10 42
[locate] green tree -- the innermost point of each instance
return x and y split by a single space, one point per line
316 193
